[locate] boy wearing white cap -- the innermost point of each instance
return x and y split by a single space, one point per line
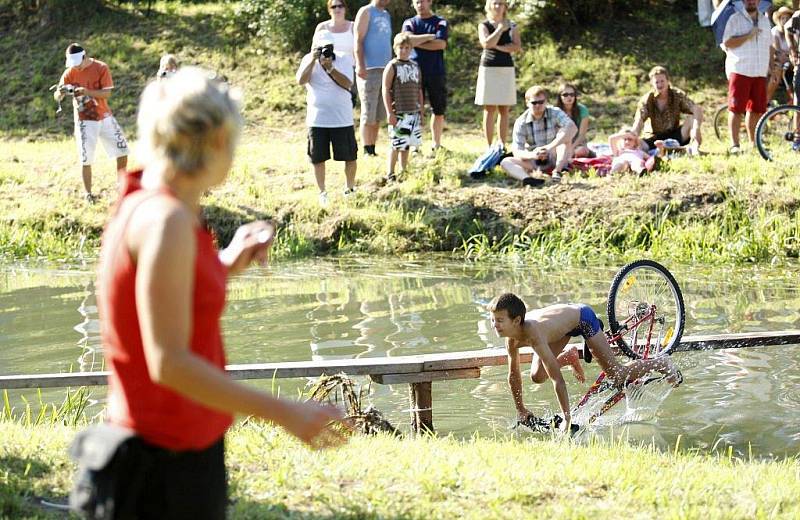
92 84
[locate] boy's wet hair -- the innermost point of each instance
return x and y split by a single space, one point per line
509 302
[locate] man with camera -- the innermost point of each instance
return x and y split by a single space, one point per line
89 82
329 115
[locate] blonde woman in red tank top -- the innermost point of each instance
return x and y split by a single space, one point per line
162 292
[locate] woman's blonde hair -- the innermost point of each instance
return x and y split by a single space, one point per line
180 117
487 8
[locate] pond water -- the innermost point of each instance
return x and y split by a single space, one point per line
747 400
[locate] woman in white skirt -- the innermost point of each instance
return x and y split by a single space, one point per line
497 89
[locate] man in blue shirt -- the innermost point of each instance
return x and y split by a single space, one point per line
429 54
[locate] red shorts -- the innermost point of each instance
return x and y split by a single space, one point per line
747 94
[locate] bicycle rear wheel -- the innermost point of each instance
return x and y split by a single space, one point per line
776 132
635 288
721 124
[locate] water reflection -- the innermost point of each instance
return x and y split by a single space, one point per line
91 358
359 307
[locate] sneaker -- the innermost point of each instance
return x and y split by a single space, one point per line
734 150
477 175
532 182
90 198
349 191
796 146
323 198
391 178
556 176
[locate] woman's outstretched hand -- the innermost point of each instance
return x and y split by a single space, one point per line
318 425
251 242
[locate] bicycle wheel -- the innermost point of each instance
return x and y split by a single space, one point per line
776 132
721 123
635 288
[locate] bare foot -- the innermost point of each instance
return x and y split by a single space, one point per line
572 358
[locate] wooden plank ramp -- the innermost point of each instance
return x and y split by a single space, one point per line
418 371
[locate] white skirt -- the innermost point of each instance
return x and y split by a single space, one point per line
496 86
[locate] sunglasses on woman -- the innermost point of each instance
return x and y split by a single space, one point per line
568 94
337 6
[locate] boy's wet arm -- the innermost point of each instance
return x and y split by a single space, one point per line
515 378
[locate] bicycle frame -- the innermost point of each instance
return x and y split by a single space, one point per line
601 384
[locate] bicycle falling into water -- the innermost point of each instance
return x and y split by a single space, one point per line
646 317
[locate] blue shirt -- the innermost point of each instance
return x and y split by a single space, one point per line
378 40
431 62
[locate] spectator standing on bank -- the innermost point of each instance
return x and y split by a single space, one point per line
747 44
373 49
328 77
94 121
781 66
496 89
568 102
402 95
429 54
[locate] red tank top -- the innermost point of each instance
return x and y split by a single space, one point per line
159 415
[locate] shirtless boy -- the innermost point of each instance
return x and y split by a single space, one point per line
548 331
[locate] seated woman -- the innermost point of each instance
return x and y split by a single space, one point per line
568 102
626 148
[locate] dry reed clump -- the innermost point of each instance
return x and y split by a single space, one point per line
340 388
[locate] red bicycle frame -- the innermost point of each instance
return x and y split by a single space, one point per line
601 384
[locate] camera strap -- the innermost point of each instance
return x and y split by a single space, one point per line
334 80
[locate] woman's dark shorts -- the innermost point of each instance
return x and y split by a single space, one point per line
342 140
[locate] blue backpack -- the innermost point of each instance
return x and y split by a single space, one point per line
487 160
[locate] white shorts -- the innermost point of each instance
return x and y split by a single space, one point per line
108 130
407 132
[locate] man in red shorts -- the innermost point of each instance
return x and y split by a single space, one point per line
746 42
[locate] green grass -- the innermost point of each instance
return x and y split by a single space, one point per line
271 476
713 209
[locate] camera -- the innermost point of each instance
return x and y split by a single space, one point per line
325 51
68 89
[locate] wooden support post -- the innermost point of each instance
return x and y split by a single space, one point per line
421 407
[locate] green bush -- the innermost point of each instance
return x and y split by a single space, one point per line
561 14
288 24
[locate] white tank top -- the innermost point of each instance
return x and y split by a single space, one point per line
343 42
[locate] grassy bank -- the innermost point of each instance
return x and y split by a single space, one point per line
713 209
272 477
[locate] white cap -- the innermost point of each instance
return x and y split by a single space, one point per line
73 60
